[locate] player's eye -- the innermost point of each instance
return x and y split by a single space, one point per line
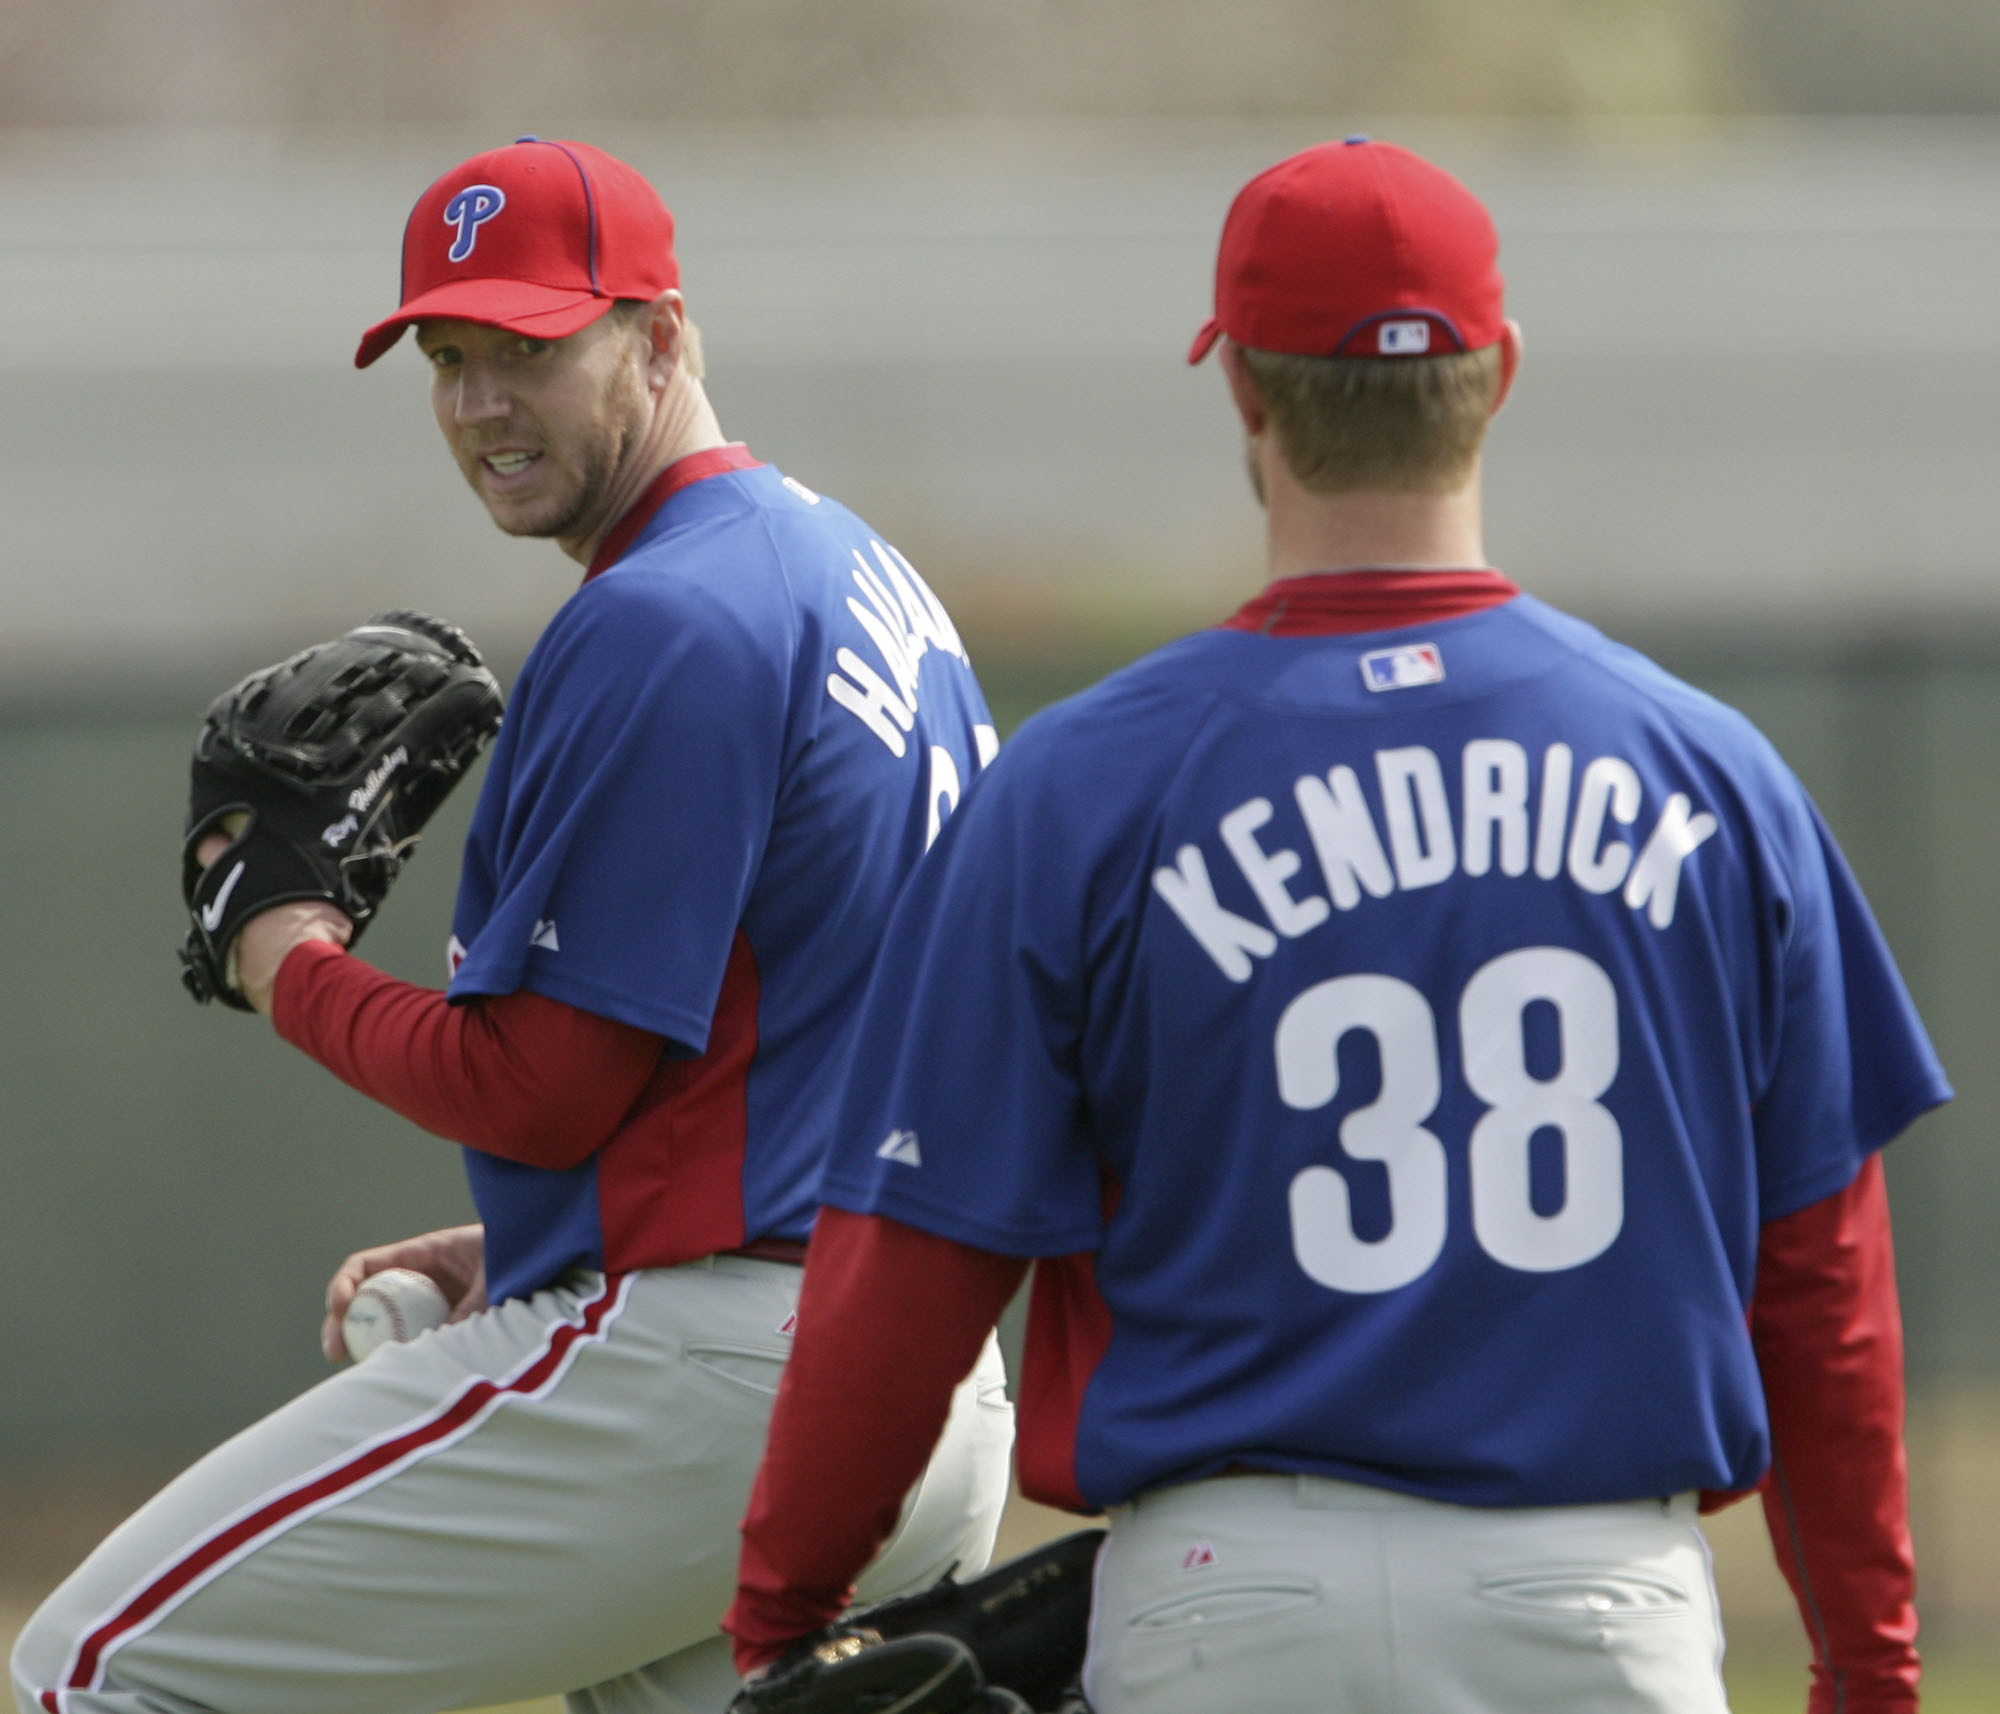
526 346
442 356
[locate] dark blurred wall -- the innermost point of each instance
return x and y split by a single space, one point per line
176 1184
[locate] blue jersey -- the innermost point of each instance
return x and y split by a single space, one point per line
1414 1030
720 762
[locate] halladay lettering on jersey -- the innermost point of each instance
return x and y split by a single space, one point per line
904 622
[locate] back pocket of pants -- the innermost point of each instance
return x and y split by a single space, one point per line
746 1366
1240 1603
1205 1649
1587 1592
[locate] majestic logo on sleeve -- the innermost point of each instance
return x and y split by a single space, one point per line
901 1147
1562 834
468 211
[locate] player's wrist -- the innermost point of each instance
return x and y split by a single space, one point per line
755 1660
293 950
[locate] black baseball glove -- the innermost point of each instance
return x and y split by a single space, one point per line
321 771
1007 1643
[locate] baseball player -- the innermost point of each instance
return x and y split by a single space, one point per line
721 759
1437 1062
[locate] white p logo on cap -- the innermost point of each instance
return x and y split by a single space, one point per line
468 211
1404 338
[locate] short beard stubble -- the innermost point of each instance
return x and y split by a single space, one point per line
602 459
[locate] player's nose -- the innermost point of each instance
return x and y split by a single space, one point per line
480 394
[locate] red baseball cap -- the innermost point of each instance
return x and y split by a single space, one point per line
539 238
1356 249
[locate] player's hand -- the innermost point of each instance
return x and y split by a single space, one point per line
265 941
454 1259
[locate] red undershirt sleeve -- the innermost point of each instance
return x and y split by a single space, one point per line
891 1319
1829 1338
516 1075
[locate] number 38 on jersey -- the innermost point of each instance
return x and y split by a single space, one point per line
1493 1037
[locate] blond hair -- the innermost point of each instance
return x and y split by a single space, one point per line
1412 424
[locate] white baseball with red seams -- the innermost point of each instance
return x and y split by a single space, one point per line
392 1307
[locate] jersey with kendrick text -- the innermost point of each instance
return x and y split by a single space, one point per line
1401 1025
720 762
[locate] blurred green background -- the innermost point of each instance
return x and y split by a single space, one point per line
947 256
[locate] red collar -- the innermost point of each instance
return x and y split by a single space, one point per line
1332 603
682 473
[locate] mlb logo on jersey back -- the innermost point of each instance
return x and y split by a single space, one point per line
1398 669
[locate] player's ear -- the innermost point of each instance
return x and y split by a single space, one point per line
1242 387
666 332
1510 363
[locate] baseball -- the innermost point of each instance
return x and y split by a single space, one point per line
392 1307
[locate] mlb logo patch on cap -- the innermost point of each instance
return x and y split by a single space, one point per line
1399 669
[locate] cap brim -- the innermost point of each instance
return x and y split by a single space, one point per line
1204 341
546 312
